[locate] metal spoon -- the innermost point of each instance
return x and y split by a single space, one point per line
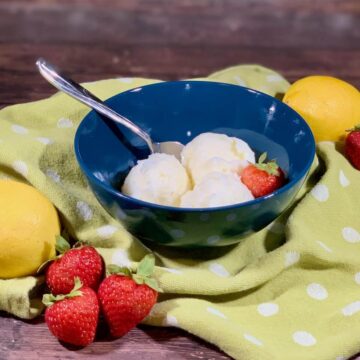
75 90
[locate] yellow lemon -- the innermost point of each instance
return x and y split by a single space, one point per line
29 225
329 105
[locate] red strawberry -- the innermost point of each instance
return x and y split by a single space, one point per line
126 299
83 262
73 318
263 178
352 146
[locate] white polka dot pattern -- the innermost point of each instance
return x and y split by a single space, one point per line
84 210
320 192
170 320
350 235
219 270
268 309
253 339
64 123
304 338
211 240
44 140
344 181
106 231
18 129
52 174
215 312
20 167
291 258
324 246
357 278
351 309
173 271
121 258
317 291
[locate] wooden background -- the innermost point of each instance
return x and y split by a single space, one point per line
172 39
164 39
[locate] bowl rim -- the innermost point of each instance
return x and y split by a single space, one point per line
147 204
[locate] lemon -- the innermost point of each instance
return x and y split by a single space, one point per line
329 105
28 227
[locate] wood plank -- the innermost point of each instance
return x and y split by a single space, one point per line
33 339
21 83
161 40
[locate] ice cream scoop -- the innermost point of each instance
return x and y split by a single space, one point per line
216 189
159 179
212 152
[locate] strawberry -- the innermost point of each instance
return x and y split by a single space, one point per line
73 318
352 146
126 298
263 178
83 262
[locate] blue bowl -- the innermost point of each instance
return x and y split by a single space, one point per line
179 111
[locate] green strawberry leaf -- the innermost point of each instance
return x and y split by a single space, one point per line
271 167
355 128
115 269
77 284
72 294
48 299
262 157
152 283
61 244
146 265
138 279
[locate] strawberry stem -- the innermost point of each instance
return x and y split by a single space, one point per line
146 265
44 265
271 167
115 269
262 158
50 299
143 273
355 128
62 245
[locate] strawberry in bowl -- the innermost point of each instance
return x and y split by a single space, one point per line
263 178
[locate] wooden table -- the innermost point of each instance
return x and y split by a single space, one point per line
169 40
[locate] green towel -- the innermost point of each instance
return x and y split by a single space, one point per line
291 291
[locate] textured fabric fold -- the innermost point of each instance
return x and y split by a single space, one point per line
289 291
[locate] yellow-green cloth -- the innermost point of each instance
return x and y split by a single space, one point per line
291 291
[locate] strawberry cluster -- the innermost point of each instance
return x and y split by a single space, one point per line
79 293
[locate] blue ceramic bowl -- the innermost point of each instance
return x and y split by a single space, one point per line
180 111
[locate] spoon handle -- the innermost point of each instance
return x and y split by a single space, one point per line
75 90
